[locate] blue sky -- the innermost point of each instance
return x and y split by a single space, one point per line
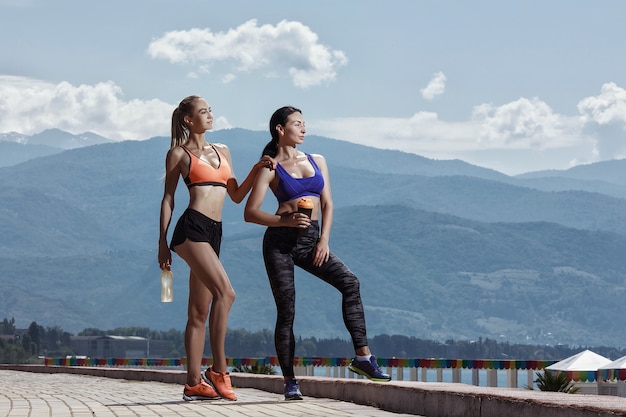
513 86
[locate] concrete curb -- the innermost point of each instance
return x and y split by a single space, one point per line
431 399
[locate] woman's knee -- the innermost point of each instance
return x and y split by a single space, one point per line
230 296
224 297
197 314
349 284
285 314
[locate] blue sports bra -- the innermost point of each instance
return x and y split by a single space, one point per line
290 188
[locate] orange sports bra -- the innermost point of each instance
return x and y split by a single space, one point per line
203 173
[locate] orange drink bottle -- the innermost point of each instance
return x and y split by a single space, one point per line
305 205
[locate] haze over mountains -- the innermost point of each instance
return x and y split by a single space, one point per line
443 249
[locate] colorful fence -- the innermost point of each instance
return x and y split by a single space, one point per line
423 363
428 363
611 374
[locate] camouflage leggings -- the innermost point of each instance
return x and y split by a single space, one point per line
284 247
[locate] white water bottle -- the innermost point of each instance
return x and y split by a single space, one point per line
167 292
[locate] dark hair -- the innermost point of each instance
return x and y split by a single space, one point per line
180 131
279 117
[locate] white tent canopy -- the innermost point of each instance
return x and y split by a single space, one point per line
583 361
616 364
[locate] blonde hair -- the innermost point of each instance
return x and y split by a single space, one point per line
180 131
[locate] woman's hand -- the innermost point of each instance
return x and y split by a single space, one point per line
165 257
267 162
298 220
322 253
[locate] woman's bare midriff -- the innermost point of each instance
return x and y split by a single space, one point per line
208 200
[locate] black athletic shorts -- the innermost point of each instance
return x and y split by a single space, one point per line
197 227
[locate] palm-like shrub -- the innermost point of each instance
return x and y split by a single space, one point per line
555 382
265 369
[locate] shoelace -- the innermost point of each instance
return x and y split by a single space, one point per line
225 379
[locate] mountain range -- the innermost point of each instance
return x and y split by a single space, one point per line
443 249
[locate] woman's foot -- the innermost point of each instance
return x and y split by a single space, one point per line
221 382
200 391
292 390
369 369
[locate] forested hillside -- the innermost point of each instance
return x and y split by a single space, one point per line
444 250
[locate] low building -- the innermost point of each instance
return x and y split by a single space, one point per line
111 346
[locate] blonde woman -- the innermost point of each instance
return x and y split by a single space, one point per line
207 170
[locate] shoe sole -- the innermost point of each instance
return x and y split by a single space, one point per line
366 375
208 381
293 398
198 398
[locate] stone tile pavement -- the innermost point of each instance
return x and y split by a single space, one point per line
27 394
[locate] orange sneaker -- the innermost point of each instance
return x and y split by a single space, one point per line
200 391
221 382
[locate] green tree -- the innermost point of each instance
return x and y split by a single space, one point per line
34 332
28 345
7 326
134 331
91 331
55 342
11 351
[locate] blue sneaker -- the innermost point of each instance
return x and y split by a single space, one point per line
369 369
292 391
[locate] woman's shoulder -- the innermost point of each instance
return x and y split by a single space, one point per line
176 152
222 148
319 161
317 157
175 156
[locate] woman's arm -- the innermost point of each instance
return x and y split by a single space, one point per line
172 171
252 212
237 192
322 250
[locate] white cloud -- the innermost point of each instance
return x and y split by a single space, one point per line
29 106
521 124
221 122
250 47
435 87
519 136
421 133
604 117
524 124
608 107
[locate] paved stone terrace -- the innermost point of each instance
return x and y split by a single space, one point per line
55 391
28 394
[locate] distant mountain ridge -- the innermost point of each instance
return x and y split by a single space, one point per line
13 137
16 148
443 249
57 138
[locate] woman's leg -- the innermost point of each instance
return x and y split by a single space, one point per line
197 312
208 271
280 271
337 274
